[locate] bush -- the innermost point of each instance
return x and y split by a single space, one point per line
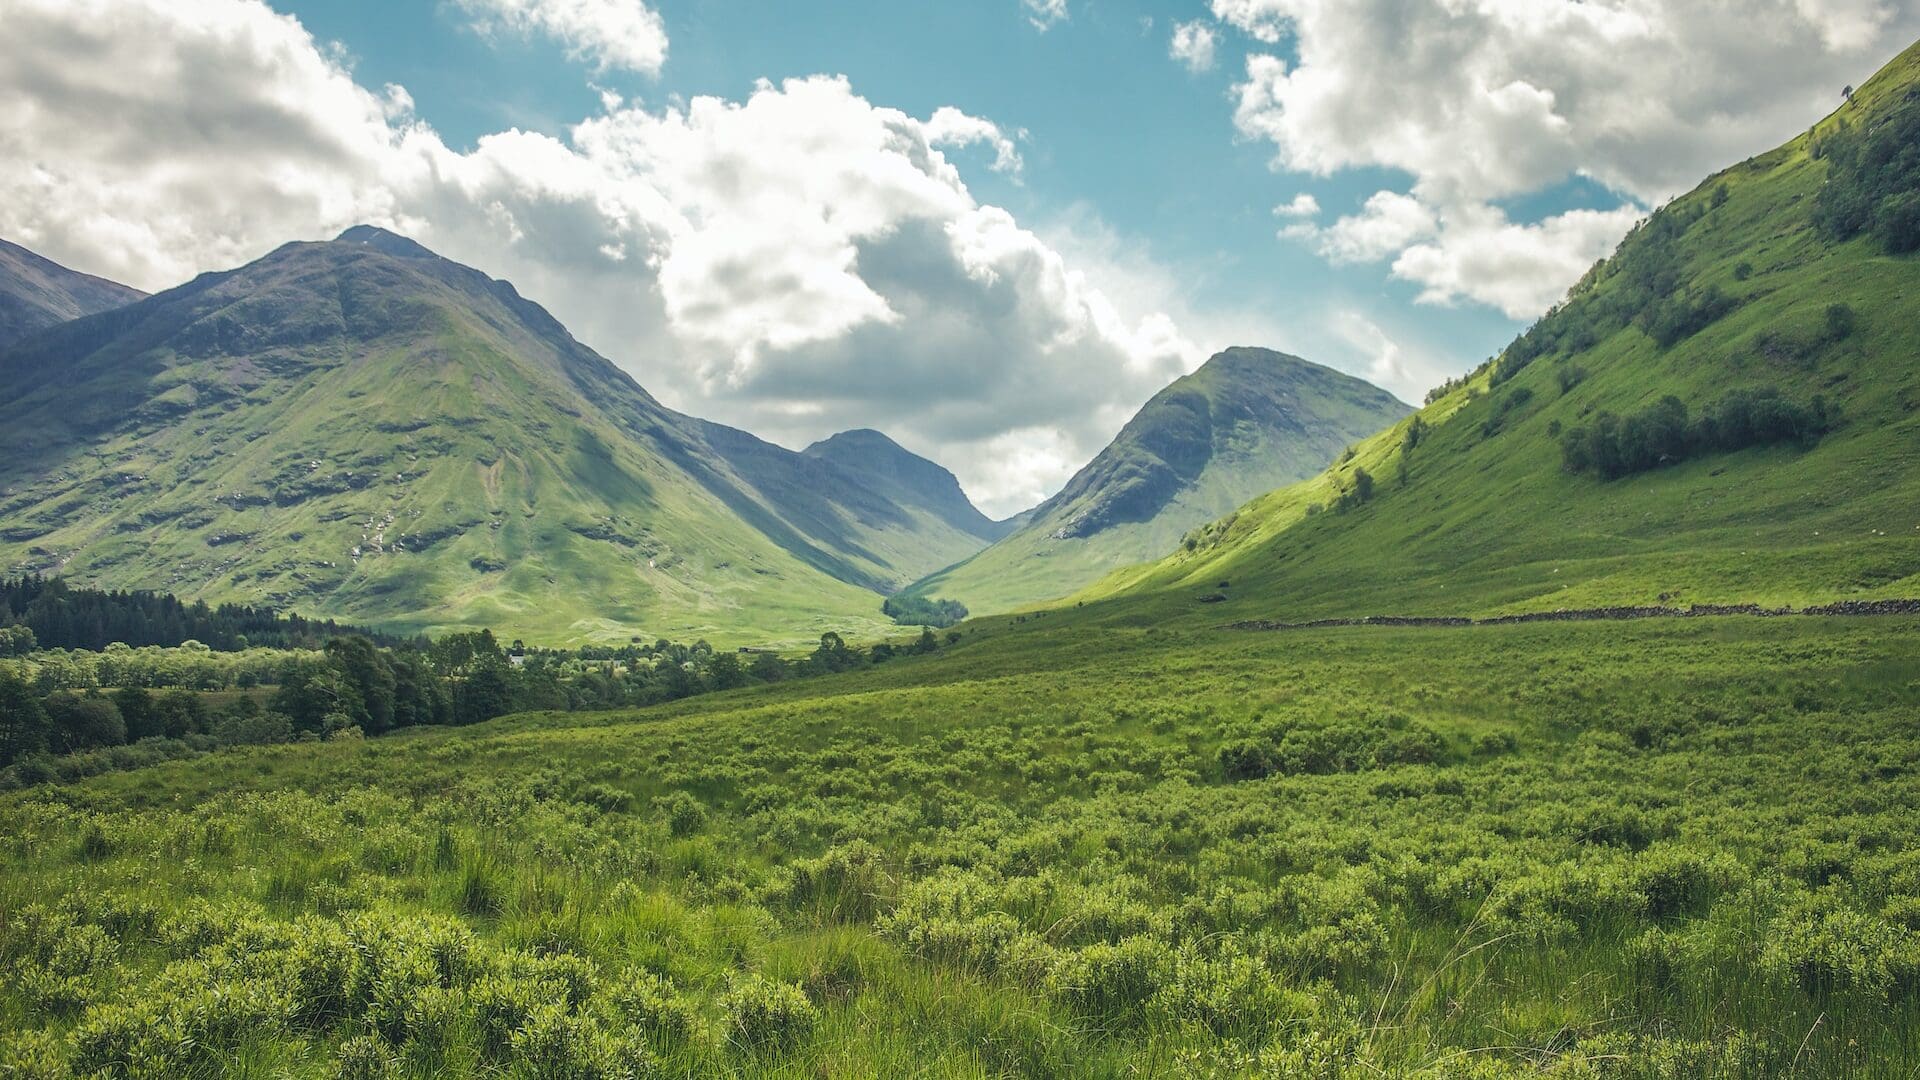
650 1004
847 884
1113 982
1841 322
685 815
763 1015
554 1045
1248 759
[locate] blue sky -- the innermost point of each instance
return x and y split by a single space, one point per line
990 228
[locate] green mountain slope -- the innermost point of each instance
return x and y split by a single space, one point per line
1745 285
363 429
36 293
1247 421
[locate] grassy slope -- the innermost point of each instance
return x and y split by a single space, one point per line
1246 421
1649 850
1494 524
240 437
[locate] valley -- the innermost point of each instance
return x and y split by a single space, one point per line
392 687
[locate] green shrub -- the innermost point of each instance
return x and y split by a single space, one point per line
1113 981
848 883
651 1005
362 1058
553 1044
1246 759
764 1016
684 814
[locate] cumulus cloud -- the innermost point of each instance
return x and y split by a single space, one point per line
1303 207
1043 14
1481 100
1521 269
796 262
623 34
1388 223
1193 45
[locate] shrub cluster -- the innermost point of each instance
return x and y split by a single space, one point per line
1873 180
1662 434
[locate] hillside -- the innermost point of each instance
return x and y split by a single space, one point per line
362 429
907 479
1246 422
36 293
1769 278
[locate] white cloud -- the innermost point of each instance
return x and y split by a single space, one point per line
624 34
1193 45
1521 269
1303 207
1481 100
950 127
795 263
1388 223
1043 14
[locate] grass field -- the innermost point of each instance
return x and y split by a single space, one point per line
1655 849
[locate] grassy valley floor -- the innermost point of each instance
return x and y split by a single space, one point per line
1672 848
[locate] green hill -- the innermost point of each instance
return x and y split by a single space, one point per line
1745 287
36 293
365 430
1246 422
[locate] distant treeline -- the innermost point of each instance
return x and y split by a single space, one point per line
923 611
1663 434
67 714
57 615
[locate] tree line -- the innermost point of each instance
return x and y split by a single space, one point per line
354 687
47 613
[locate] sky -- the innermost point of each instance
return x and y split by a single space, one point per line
989 228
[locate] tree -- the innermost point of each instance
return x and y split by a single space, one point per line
77 722
180 713
833 655
23 722
372 703
927 643
768 668
1362 484
136 711
486 692
725 673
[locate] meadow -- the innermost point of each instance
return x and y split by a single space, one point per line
1084 847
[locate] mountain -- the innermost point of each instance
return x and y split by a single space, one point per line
36 293
365 430
1248 421
908 479
1725 411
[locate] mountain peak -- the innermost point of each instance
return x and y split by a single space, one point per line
384 241
877 460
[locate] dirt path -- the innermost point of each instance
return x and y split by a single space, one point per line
1696 611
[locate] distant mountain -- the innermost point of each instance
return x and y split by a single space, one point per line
1726 411
36 293
1248 421
365 430
906 478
